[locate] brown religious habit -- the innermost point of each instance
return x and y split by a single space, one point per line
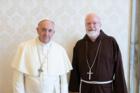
97 66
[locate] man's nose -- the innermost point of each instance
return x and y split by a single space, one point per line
91 25
46 32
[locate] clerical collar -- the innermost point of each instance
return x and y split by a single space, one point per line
43 44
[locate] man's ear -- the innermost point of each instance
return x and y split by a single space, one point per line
54 32
100 25
37 29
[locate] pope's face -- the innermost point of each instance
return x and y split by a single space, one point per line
45 31
92 23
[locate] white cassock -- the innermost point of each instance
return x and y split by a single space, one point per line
33 55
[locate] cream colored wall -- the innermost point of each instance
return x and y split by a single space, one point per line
18 20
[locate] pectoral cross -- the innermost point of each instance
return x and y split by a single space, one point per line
89 74
40 70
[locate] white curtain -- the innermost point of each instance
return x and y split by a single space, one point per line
134 85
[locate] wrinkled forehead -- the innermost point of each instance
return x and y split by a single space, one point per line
46 24
92 18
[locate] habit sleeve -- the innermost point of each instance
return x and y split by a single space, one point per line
75 75
18 82
119 84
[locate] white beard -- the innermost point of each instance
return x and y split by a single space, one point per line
93 34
